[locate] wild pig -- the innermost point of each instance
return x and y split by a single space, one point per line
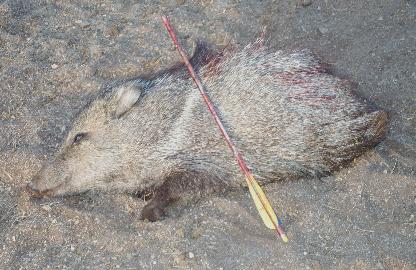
286 114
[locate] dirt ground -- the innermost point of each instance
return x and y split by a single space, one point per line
55 54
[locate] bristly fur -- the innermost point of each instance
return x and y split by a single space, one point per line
284 112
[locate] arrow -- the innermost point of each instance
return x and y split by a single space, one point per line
263 206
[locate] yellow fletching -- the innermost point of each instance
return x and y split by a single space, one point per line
258 197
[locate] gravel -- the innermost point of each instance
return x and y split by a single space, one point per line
54 55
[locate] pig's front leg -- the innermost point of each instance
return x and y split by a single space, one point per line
184 183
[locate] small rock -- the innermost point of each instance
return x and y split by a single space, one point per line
306 3
72 248
179 260
83 24
197 232
380 266
95 52
54 66
315 265
47 208
180 232
191 255
323 29
180 2
113 31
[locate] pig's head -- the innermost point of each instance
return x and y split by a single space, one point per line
88 157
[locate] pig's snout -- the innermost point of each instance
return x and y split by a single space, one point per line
33 189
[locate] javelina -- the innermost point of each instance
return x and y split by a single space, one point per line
285 113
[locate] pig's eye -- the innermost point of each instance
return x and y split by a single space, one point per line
79 137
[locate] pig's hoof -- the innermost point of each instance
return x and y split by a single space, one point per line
152 213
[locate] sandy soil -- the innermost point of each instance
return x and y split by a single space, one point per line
55 54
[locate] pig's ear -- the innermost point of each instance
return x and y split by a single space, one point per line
125 97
